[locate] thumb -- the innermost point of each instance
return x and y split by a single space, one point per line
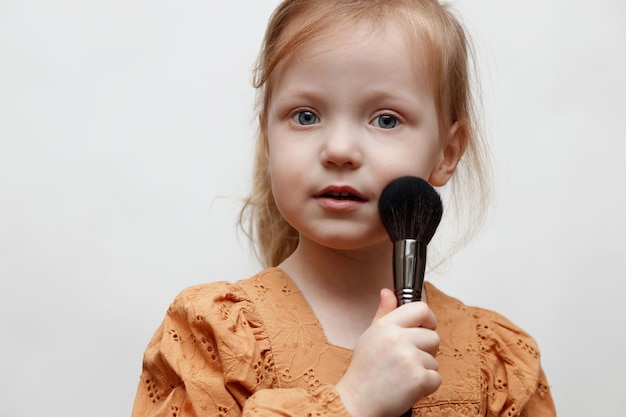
388 303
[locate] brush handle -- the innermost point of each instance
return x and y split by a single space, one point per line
409 265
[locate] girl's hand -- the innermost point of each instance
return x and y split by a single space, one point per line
393 365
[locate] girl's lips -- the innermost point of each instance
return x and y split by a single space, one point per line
341 193
340 198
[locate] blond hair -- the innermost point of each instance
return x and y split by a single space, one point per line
435 34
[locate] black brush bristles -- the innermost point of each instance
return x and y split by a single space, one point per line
410 208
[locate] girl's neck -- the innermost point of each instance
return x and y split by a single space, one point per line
342 288
344 273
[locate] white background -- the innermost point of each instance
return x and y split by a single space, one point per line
126 138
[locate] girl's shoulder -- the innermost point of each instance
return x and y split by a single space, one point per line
223 299
482 348
219 315
489 327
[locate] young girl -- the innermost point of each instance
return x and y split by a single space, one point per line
352 94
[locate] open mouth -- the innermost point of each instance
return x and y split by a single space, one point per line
341 195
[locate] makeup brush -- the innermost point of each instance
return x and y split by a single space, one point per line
410 210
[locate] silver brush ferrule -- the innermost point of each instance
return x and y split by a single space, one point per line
409 265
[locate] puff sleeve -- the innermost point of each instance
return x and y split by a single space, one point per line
514 380
211 357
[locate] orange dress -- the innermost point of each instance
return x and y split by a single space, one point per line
255 348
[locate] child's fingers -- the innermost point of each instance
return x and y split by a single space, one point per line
430 381
410 315
424 339
429 362
387 303
418 322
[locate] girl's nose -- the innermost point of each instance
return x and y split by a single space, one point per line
342 149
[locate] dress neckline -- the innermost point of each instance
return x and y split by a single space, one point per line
305 308
309 312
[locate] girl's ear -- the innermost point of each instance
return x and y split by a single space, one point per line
450 155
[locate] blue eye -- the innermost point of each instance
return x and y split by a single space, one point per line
386 121
305 118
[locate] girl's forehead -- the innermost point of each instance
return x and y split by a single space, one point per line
362 37
356 34
356 64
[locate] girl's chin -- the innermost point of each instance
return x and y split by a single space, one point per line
345 242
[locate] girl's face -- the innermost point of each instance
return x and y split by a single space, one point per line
348 114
